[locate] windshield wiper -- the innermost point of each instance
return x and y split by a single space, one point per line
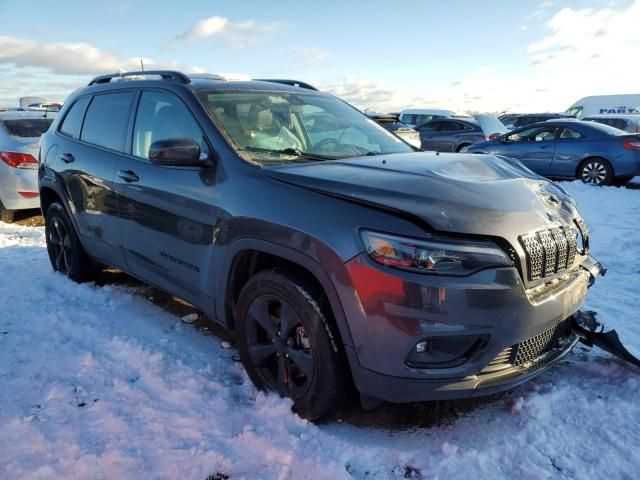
294 152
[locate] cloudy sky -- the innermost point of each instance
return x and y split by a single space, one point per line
460 54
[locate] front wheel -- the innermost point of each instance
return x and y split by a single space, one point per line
65 251
595 171
289 345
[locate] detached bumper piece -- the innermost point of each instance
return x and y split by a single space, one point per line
591 333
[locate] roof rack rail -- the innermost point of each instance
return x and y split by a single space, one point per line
170 75
293 83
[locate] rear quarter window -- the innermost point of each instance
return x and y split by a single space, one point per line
72 122
27 127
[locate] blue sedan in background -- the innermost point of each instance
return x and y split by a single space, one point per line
595 153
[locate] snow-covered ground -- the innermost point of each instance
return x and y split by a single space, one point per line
98 382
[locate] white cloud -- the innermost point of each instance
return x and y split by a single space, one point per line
364 94
72 58
238 34
596 38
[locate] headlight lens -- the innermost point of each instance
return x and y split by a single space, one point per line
436 255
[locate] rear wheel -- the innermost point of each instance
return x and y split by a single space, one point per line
6 216
63 246
288 344
596 171
460 147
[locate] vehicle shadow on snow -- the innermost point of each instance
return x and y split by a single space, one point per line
386 415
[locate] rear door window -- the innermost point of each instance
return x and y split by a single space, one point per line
106 120
429 127
569 134
27 127
72 122
451 126
534 134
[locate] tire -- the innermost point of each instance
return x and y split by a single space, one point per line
66 253
303 359
595 171
460 147
6 216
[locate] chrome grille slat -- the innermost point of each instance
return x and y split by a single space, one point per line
562 245
572 249
550 252
534 250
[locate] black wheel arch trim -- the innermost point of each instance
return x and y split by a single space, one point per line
308 263
54 187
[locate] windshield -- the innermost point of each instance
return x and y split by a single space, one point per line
27 127
574 111
285 127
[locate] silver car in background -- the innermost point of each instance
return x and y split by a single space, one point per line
628 123
19 136
391 123
456 134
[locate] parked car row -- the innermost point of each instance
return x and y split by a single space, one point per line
340 255
593 152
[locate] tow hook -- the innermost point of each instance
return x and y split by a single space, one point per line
591 332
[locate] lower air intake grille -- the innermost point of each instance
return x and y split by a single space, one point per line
531 349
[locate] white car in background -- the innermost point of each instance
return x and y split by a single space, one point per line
19 136
412 117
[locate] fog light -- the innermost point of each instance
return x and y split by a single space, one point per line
445 352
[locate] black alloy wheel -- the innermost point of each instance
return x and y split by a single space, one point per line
279 346
289 343
66 253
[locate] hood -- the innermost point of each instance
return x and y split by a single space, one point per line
459 193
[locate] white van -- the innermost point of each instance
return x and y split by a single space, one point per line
412 117
605 104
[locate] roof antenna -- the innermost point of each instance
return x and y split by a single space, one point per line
141 65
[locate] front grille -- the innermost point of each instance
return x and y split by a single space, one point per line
529 351
549 251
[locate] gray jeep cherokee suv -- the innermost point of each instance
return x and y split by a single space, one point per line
337 253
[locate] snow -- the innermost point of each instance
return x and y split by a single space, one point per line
97 382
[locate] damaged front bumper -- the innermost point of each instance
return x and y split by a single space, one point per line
536 331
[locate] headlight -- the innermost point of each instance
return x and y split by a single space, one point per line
435 255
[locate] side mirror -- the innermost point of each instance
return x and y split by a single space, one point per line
176 152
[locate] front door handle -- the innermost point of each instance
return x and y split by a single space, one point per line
128 176
67 157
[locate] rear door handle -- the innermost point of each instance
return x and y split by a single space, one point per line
67 157
128 176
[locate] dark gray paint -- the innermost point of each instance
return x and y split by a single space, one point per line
181 228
